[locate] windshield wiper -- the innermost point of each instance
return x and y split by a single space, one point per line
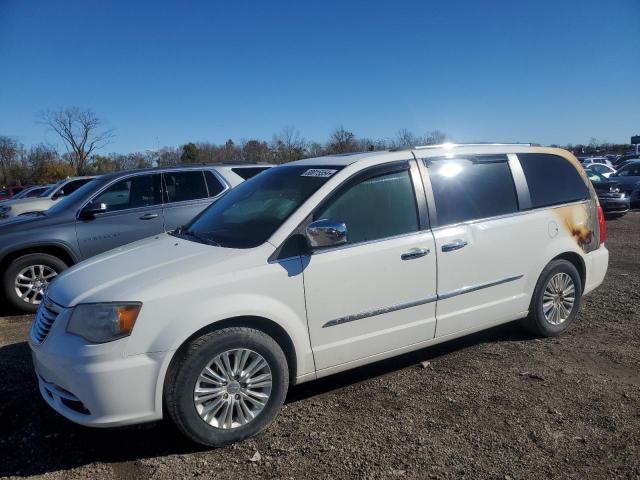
198 238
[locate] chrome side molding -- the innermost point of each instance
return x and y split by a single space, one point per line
378 311
402 306
473 288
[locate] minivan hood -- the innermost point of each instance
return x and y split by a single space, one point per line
127 273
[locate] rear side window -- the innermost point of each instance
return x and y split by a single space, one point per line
468 189
247 172
183 186
552 180
213 184
132 192
375 208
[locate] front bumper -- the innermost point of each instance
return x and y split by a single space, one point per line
97 385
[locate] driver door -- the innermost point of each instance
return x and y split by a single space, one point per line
134 211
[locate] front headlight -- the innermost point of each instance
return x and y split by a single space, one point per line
614 189
103 322
5 208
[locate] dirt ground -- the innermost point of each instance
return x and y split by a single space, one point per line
499 404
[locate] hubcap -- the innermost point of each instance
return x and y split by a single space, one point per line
233 388
558 298
32 281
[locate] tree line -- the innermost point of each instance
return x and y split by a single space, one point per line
82 133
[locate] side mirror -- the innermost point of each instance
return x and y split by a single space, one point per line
92 209
326 233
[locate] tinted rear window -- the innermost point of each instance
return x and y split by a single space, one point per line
213 184
185 185
552 180
248 172
470 189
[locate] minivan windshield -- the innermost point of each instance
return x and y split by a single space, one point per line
248 215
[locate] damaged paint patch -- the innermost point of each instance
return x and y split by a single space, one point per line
579 223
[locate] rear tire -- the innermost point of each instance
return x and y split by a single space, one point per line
199 408
35 269
556 299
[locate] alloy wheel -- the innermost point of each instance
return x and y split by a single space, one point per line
32 281
558 298
233 388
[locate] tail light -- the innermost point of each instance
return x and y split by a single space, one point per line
603 226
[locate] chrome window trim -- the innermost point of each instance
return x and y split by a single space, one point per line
368 242
434 298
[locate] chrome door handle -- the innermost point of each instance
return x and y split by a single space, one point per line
455 245
414 253
149 216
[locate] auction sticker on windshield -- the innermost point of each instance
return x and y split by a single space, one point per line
319 172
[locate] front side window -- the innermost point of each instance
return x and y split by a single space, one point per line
184 186
631 170
36 192
468 189
251 212
132 192
595 176
379 207
72 186
552 180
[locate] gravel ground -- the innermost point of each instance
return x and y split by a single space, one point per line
499 404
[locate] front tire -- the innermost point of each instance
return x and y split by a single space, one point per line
226 386
556 299
27 277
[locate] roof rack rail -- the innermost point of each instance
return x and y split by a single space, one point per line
480 144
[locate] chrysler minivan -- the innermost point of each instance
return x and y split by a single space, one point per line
312 268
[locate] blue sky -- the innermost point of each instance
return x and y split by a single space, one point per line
164 73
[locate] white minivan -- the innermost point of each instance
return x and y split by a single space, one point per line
312 268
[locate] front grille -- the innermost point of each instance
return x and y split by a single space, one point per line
612 195
46 315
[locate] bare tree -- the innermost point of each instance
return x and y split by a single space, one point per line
405 138
342 141
288 145
434 137
9 149
80 129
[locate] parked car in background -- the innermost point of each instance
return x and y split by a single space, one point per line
591 160
10 192
628 179
312 268
614 202
625 158
25 206
30 192
602 169
105 213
